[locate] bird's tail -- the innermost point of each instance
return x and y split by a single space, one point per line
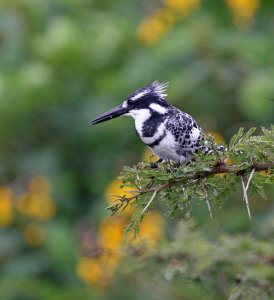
218 148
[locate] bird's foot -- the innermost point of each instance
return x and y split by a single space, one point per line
177 165
155 164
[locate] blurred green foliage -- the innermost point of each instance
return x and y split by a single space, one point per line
64 62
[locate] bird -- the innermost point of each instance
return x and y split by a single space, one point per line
170 133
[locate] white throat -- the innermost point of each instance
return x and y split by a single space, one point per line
140 116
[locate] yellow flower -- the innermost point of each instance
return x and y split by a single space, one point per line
39 184
182 6
265 172
243 10
217 137
6 206
151 231
229 161
154 26
149 156
114 189
33 235
97 270
111 233
165 15
36 205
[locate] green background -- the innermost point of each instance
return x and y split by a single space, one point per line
64 62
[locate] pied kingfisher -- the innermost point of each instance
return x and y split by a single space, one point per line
170 133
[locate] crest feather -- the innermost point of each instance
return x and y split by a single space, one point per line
156 88
159 88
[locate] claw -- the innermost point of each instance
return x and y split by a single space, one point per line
155 164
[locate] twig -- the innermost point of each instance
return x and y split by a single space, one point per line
206 198
138 178
245 189
149 202
249 179
245 198
133 192
186 198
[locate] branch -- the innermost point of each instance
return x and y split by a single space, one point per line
220 168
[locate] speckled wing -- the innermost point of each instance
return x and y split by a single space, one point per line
185 130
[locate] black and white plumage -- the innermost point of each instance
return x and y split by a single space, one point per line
170 133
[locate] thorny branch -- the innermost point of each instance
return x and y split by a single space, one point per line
220 168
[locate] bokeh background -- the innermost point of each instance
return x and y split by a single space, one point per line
64 62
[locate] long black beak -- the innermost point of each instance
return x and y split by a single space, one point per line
111 114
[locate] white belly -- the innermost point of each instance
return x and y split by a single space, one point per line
167 148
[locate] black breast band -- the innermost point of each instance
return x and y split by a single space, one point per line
157 141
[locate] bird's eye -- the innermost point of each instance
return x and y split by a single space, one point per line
129 101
